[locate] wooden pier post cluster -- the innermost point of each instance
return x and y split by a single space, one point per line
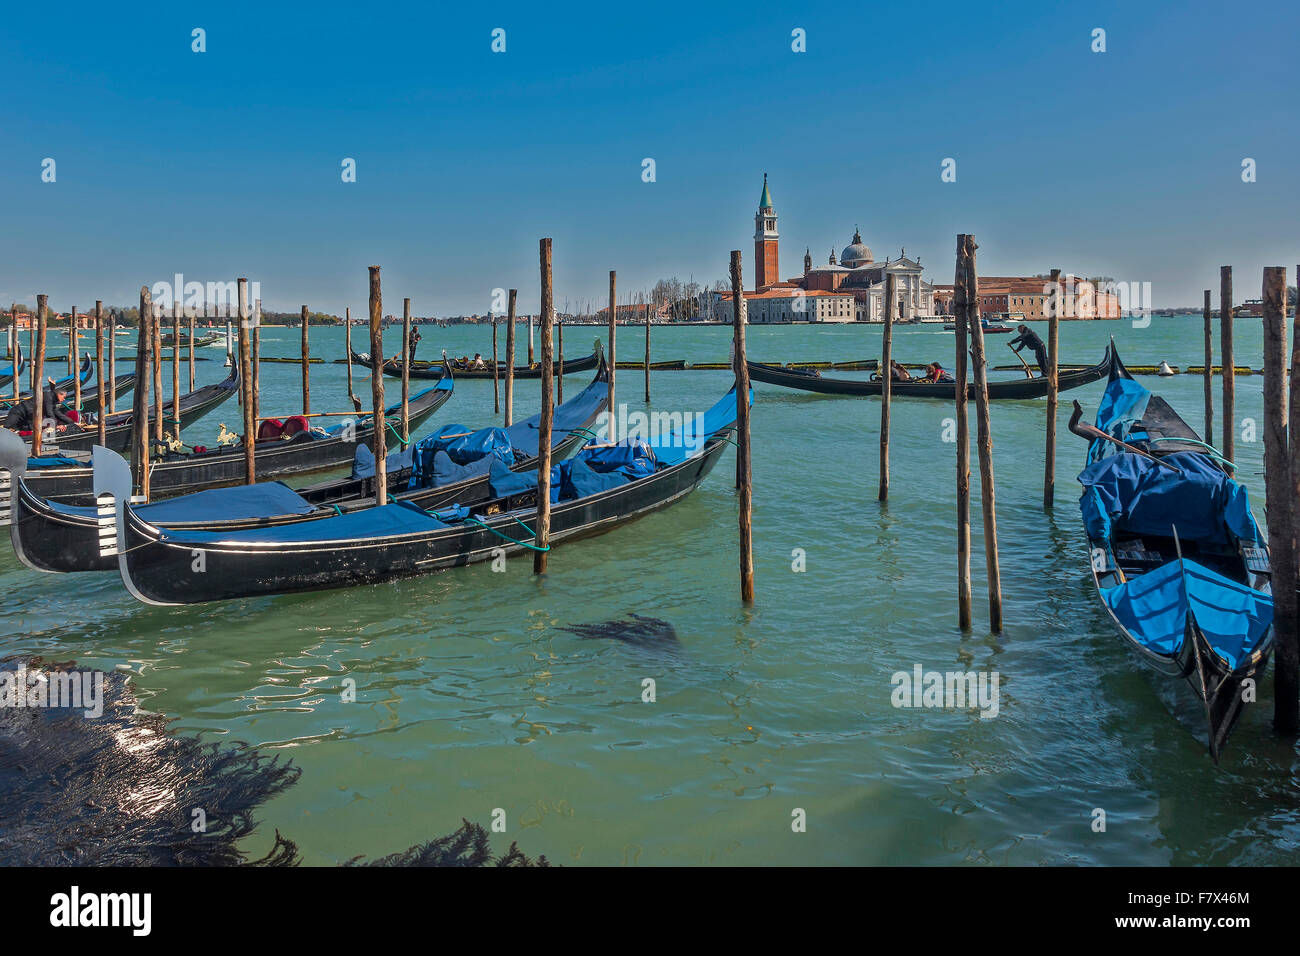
966 295
377 386
744 463
1053 373
1280 483
886 381
247 385
542 533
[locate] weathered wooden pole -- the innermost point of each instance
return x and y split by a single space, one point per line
247 384
18 379
377 386
155 343
1209 373
306 364
613 360
140 401
176 364
985 446
1053 377
965 302
347 347
1291 496
1280 492
1226 359
99 366
886 380
559 372
38 370
510 360
75 361
744 464
406 371
647 354
256 376
542 534
112 368
191 318
496 390
530 339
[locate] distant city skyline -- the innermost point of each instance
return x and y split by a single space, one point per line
231 162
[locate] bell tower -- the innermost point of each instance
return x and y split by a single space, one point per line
766 241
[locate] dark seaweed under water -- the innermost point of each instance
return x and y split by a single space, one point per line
472 697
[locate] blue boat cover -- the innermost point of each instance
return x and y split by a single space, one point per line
502 482
1153 607
444 385
674 448
395 519
51 461
453 453
594 470
269 499
1127 493
363 462
571 415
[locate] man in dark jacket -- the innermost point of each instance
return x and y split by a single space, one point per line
22 416
1027 337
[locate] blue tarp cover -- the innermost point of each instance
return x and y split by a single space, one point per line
675 447
574 413
51 461
502 482
395 519
1126 493
441 460
363 462
1153 608
269 499
594 470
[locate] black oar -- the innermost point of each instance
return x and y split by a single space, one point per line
1091 432
1028 371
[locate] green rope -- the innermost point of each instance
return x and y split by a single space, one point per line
337 510
1214 452
522 544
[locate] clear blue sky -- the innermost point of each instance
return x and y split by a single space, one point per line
226 163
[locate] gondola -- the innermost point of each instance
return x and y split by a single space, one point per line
809 380
393 367
306 452
1177 559
54 536
601 488
8 372
988 329
119 427
125 385
166 341
85 372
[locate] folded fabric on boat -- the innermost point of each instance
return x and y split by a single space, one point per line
676 446
453 453
598 469
1127 493
569 416
1153 608
363 461
394 519
502 482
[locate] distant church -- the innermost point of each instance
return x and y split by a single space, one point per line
850 290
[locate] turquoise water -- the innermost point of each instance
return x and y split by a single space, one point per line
470 697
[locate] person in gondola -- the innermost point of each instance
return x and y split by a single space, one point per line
22 416
1028 337
897 373
413 342
478 361
935 373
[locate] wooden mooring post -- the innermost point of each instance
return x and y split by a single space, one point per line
496 391
75 361
647 354
965 302
559 372
99 367
1209 372
347 347
191 349
406 371
377 386
886 380
112 366
38 373
155 342
530 339
984 441
542 533
744 464
1053 378
306 363
255 334
1226 360
510 359
1291 494
176 363
140 400
613 359
247 385
1280 491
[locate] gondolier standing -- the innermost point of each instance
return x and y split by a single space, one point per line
1028 337
413 342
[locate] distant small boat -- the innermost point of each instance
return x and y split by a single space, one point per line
988 329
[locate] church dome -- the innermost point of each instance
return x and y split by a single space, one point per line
855 254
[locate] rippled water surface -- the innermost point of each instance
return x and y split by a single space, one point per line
471 696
